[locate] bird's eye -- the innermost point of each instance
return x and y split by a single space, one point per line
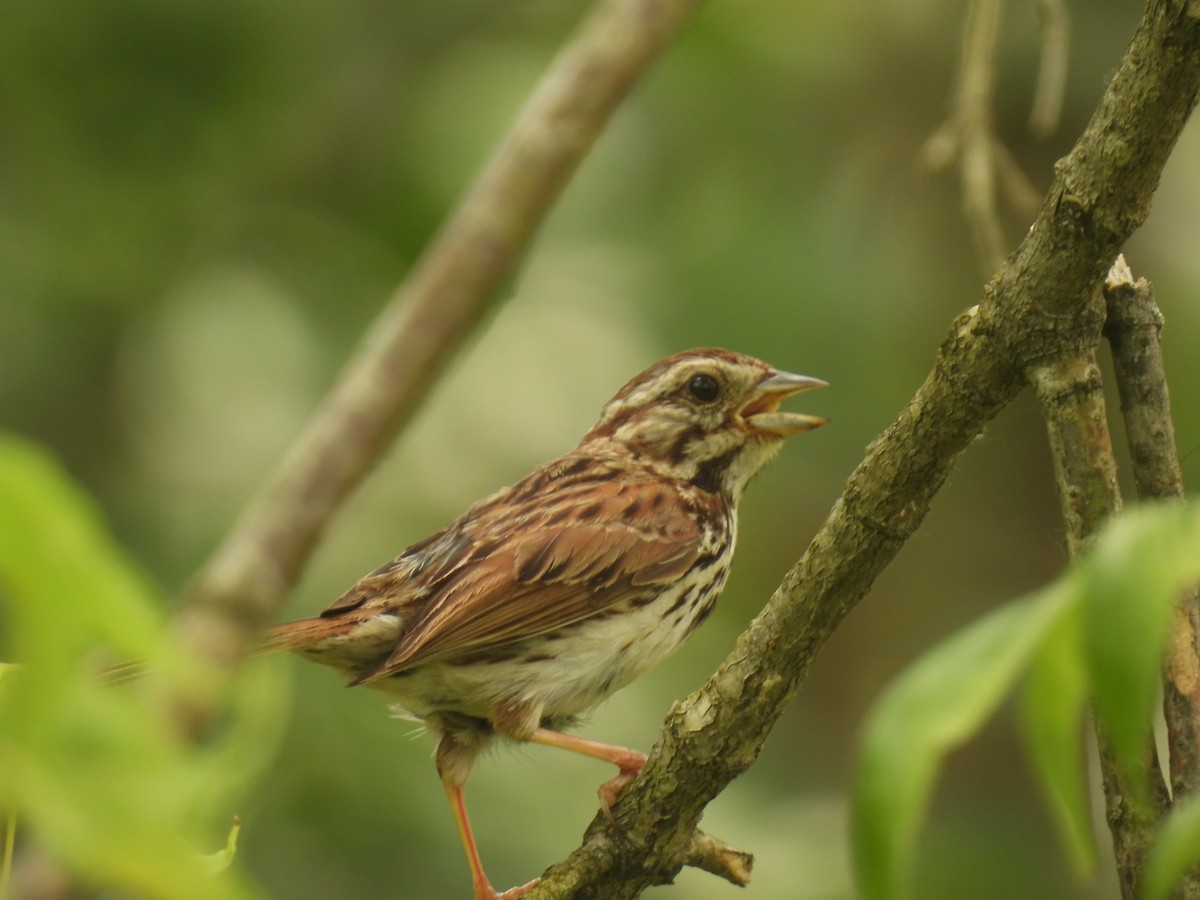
704 388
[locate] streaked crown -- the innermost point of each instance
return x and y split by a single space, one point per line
707 416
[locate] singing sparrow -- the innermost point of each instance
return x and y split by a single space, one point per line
546 597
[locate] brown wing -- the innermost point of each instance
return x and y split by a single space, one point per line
566 555
396 590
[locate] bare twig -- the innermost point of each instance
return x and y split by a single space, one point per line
977 133
1015 185
1133 328
1071 394
445 295
968 134
1052 73
711 855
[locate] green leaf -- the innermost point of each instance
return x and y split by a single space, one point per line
934 706
1133 576
52 542
98 769
1175 851
1053 709
221 860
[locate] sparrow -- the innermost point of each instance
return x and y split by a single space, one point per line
544 598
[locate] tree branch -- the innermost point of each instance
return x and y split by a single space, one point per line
1037 310
445 296
1071 394
1133 328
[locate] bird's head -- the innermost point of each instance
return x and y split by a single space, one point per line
707 416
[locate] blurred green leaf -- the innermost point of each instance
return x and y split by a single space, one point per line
1100 629
55 559
1053 708
221 860
934 706
1132 579
98 769
1177 849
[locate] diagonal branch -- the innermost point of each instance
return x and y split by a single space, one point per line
447 293
1039 308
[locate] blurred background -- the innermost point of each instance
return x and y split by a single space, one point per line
203 205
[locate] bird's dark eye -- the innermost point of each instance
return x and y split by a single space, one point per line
704 388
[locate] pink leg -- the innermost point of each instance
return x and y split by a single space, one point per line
630 762
483 889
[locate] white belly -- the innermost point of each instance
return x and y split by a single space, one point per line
568 672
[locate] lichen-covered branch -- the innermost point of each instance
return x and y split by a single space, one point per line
445 296
1039 309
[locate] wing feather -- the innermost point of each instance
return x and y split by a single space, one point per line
572 552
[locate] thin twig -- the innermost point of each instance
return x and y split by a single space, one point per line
445 296
1133 329
712 855
968 135
976 93
1046 110
1015 185
1071 394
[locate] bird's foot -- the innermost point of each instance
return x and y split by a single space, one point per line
487 892
630 764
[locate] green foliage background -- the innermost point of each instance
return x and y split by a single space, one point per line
203 204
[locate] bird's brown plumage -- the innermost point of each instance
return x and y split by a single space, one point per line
542 599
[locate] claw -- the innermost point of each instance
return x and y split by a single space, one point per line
514 893
609 791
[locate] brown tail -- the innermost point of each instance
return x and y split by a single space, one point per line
296 635
351 642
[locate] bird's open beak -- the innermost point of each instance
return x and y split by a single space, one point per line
762 413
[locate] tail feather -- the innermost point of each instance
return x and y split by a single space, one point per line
352 644
300 633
